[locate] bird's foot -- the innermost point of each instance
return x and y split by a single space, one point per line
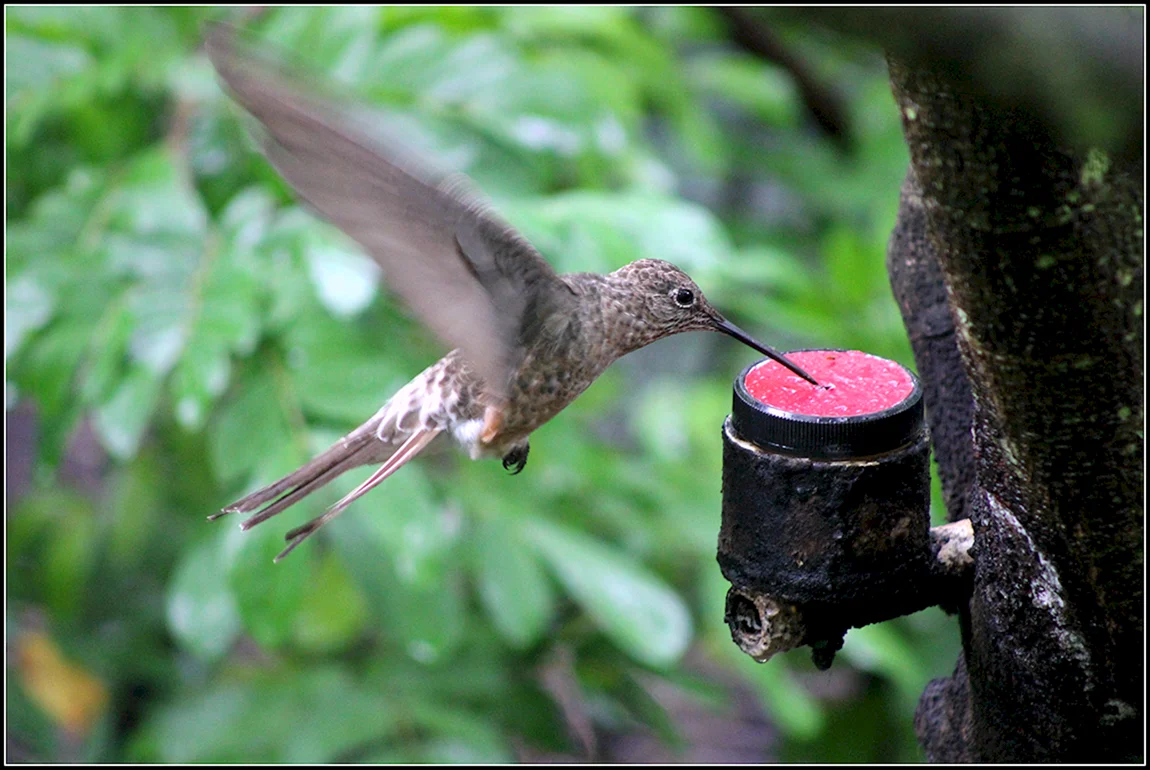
516 458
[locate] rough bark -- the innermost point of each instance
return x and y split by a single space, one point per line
943 721
1040 251
920 291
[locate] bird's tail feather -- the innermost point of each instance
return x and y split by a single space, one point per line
360 447
410 448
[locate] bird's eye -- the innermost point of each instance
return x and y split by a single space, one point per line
684 298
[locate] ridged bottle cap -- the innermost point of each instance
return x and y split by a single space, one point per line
864 406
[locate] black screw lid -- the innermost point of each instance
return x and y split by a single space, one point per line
826 438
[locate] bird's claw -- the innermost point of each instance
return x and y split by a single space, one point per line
516 458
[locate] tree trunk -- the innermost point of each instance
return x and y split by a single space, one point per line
1038 252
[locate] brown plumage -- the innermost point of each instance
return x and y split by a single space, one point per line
527 341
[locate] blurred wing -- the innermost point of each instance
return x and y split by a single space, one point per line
471 278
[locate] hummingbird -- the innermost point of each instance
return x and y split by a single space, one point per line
526 341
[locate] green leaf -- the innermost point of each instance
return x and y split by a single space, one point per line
794 710
460 738
883 649
602 22
512 586
157 237
156 197
138 513
308 716
332 610
35 69
107 354
773 268
662 438
765 90
121 420
629 691
856 270
201 609
250 429
345 280
28 305
201 375
632 606
608 230
428 615
412 58
197 727
268 595
337 714
46 370
403 519
225 314
679 24
64 526
339 371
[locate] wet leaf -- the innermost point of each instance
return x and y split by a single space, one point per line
71 695
249 429
121 420
765 90
287 716
267 594
340 372
332 611
27 306
513 587
426 616
632 606
201 609
345 279
644 227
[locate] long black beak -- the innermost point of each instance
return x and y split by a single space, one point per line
726 327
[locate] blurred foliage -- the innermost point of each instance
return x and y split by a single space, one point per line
165 292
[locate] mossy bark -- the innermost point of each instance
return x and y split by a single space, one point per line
1039 252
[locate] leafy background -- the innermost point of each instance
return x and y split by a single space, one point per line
180 331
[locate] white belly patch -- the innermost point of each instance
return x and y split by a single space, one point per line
467 434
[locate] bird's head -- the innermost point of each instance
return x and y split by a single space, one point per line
657 299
